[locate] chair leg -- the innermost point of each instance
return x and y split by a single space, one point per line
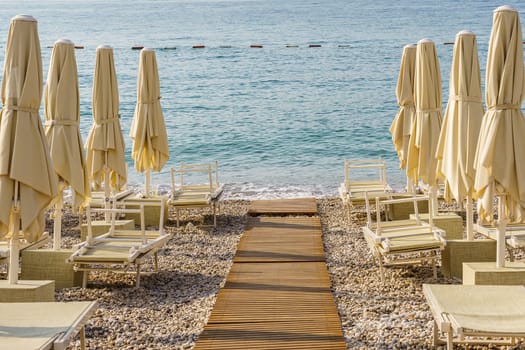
434 267
83 338
85 279
156 262
435 334
450 342
137 278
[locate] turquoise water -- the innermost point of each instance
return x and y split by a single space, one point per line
280 120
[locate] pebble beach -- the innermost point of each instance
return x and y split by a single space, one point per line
172 306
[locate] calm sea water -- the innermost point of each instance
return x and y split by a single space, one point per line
280 120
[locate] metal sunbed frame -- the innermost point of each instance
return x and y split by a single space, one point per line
402 242
118 250
188 196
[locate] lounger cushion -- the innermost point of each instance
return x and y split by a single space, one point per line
491 309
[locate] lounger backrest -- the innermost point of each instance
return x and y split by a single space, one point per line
209 171
361 175
114 212
381 203
152 203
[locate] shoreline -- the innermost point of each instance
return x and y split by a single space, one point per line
172 306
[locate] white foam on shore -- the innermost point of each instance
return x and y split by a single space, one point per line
252 191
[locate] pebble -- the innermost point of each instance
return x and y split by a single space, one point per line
172 306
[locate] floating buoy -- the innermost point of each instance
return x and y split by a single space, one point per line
169 48
448 43
314 45
343 45
198 47
225 47
79 47
292 45
256 46
137 47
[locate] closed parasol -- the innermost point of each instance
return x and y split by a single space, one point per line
421 160
62 115
461 125
27 180
105 144
148 131
402 123
500 154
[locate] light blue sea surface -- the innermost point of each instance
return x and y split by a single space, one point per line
280 120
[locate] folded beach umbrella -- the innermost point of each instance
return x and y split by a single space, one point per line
62 115
105 143
421 160
27 180
461 125
500 154
402 123
148 131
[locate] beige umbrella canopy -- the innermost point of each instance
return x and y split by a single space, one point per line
421 160
62 115
461 124
105 144
402 123
148 131
27 180
500 154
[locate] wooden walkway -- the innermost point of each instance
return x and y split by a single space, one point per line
277 294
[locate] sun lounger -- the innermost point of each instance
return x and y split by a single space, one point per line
514 236
98 198
119 250
23 245
402 242
476 314
51 325
363 177
187 195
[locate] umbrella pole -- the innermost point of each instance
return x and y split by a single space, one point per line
14 251
410 186
57 225
470 218
433 200
147 182
106 188
502 223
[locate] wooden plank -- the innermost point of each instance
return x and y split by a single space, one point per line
277 294
296 334
299 206
281 239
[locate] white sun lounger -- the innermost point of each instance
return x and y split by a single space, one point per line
466 314
119 250
203 195
23 245
43 325
365 176
98 198
514 235
402 242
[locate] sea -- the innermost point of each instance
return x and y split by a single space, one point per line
282 117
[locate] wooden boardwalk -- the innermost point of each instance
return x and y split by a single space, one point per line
277 294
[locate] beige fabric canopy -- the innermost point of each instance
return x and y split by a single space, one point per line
24 153
462 120
402 123
62 115
105 144
148 131
421 160
500 155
